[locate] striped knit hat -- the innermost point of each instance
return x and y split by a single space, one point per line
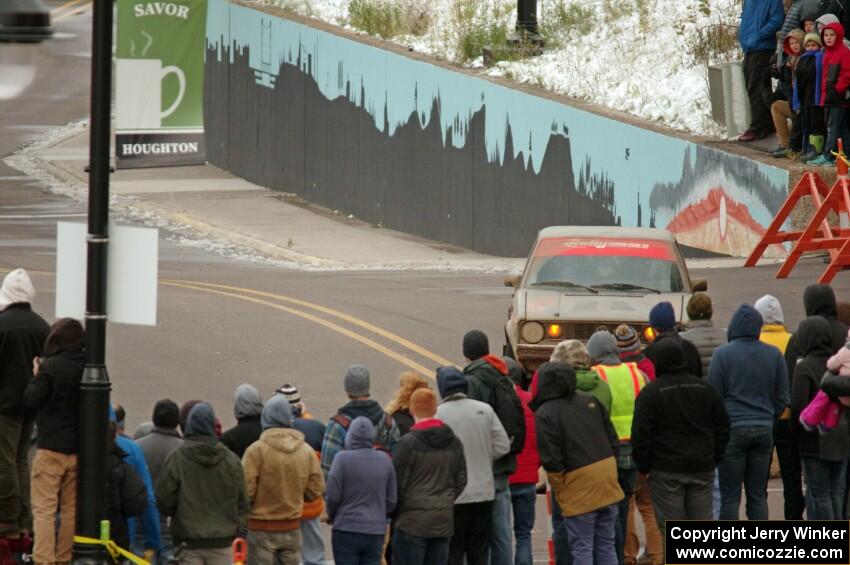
290 393
627 338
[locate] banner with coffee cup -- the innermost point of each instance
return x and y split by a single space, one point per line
159 83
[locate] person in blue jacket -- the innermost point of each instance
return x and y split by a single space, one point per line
760 21
150 518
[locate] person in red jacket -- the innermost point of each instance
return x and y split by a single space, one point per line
523 482
835 80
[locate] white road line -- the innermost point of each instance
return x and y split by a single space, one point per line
39 216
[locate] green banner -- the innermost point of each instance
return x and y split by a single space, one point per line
159 82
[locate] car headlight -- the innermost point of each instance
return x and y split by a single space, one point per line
532 332
554 331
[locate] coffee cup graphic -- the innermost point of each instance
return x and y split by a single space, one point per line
139 88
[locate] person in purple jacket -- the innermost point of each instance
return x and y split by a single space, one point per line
360 496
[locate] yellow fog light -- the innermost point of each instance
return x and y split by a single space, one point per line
554 331
649 334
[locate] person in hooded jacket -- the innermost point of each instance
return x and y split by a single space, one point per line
524 480
126 494
818 300
247 407
626 381
679 433
361 495
281 473
483 372
357 385
824 455
399 407
430 471
701 331
202 489
799 14
577 445
782 109
752 380
662 319
54 393
807 96
22 336
773 333
834 84
484 441
760 20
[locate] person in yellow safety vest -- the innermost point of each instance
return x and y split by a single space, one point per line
626 381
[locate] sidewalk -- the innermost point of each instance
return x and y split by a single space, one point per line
210 208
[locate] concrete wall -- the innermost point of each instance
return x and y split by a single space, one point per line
445 154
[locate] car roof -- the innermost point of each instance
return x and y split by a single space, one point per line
607 231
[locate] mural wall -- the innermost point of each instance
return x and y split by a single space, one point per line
452 157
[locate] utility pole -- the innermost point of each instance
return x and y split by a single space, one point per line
526 18
95 387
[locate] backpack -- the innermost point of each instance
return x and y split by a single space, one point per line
508 407
382 434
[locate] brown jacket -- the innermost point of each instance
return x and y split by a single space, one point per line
281 472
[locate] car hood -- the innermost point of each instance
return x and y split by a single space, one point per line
554 304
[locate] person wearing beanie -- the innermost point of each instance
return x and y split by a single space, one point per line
489 382
22 336
399 407
203 474
701 331
361 496
484 441
247 407
679 435
281 474
630 349
523 482
752 380
773 331
625 381
808 95
573 353
356 384
578 449
430 471
662 319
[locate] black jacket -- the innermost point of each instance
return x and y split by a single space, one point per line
815 342
808 84
680 424
403 420
126 496
55 394
242 435
692 356
573 429
22 336
431 473
818 300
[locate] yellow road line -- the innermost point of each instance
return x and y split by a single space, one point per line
331 312
70 13
425 371
64 6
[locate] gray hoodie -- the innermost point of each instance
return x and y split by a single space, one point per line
602 348
247 402
361 486
830 19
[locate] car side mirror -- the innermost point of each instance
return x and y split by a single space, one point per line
512 281
699 285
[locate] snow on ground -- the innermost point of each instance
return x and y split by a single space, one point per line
634 56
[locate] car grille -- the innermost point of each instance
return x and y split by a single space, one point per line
583 330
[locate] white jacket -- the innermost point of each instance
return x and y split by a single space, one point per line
484 440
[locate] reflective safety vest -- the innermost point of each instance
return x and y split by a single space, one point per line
626 382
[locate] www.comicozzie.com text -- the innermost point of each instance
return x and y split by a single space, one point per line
756 532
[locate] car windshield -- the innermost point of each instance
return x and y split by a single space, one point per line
598 266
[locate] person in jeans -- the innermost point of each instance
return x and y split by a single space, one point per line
577 444
484 441
524 480
361 495
281 473
202 489
752 380
22 336
679 435
431 473
760 21
824 454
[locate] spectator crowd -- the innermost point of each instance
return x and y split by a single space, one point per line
613 431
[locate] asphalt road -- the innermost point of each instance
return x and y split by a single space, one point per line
222 323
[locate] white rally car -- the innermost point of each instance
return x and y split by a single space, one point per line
579 279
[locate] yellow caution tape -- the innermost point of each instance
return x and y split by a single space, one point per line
112 548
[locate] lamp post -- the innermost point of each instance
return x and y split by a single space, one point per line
94 387
526 18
